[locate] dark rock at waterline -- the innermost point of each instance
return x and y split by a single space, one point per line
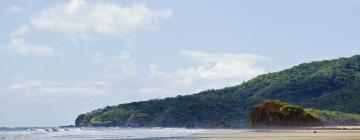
221 125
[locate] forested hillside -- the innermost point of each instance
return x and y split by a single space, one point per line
330 84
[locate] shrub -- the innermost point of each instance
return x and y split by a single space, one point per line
291 110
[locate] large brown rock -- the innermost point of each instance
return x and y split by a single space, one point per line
277 114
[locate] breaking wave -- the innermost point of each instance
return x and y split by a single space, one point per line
75 133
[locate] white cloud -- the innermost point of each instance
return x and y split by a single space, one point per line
40 88
85 20
215 70
126 64
218 66
98 57
21 31
120 66
24 85
223 57
20 46
81 19
15 9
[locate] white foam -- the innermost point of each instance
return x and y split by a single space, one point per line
95 133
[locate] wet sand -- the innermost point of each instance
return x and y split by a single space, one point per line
281 135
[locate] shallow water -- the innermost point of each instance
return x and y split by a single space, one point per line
54 133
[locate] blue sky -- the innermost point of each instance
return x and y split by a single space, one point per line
62 58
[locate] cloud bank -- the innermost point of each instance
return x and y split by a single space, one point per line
123 77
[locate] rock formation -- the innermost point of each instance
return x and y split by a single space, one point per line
278 114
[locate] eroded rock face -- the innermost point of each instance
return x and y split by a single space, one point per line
277 114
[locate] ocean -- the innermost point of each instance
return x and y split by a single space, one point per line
56 133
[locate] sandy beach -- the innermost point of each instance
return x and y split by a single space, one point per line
282 135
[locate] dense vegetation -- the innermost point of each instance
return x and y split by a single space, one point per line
273 113
330 84
335 117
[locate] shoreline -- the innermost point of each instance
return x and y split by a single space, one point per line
281 135
183 133
214 128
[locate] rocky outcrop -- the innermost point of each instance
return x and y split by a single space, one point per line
278 114
221 125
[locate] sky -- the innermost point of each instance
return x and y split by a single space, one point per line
59 59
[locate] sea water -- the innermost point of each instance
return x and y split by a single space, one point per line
56 133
